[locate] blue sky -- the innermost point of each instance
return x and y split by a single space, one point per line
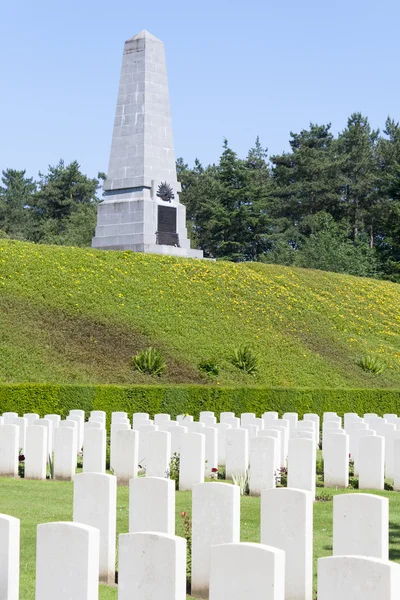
236 69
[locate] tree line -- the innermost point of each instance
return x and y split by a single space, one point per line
331 203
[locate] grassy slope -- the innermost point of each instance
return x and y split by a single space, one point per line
38 502
77 315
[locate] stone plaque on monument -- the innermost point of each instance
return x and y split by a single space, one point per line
141 209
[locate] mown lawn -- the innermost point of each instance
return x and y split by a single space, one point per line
71 315
37 502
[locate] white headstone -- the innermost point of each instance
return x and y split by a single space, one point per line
9 439
158 454
192 460
67 562
301 465
36 453
152 505
263 459
9 553
222 428
336 461
49 425
357 578
95 504
232 564
361 525
152 566
94 451
371 463
287 523
215 520
126 455
237 452
65 453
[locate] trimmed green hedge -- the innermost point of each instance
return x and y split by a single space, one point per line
178 399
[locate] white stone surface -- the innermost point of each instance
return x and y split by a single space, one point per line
357 437
237 452
263 458
126 455
336 461
284 442
141 157
215 520
301 465
9 557
161 418
357 578
65 453
49 425
78 416
247 419
176 438
287 524
36 453
9 439
361 525
158 454
390 438
234 422
144 432
67 562
247 572
276 434
95 504
226 415
293 419
120 414
152 505
222 428
192 460
22 424
94 451
211 450
9 417
152 566
371 463
113 430
31 417
99 416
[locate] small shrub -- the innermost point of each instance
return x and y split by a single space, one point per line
173 472
281 477
209 366
323 496
353 483
372 364
149 361
243 481
21 464
221 473
320 466
245 359
187 527
388 486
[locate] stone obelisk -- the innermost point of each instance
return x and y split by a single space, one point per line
141 209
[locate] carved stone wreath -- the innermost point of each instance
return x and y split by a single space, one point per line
165 192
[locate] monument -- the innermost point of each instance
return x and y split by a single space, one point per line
141 209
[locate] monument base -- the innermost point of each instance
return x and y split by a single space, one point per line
134 224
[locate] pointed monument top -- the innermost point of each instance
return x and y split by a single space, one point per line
144 35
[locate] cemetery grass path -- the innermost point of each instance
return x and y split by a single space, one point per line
77 315
42 501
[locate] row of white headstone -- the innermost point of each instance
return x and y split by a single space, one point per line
72 557
258 446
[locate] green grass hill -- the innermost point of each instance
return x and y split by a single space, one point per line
71 315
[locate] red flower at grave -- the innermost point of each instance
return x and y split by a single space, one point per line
214 470
21 458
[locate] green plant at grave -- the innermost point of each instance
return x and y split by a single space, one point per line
187 534
149 361
51 466
209 366
243 481
173 472
353 483
372 364
21 464
245 359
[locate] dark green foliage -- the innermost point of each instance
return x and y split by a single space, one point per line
373 364
174 467
192 399
245 359
209 366
150 361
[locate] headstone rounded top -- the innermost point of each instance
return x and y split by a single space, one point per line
144 35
